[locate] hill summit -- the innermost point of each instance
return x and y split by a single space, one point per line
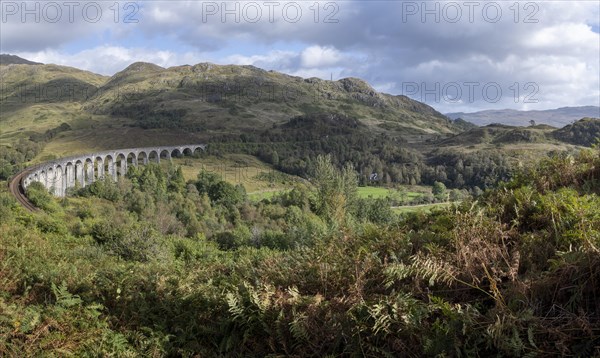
6 59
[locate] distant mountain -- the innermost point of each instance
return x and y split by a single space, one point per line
464 125
559 117
6 59
583 132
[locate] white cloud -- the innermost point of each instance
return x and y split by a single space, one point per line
317 56
107 60
577 36
282 60
292 63
163 16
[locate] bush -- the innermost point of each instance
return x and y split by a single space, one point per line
105 189
232 240
274 240
40 197
378 211
137 244
7 205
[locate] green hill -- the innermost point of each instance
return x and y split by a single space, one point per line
584 132
501 134
235 108
215 98
38 98
25 84
194 102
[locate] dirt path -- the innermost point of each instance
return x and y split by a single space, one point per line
419 206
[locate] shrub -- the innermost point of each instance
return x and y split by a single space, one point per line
232 240
274 240
40 197
105 189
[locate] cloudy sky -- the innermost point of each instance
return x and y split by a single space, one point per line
453 55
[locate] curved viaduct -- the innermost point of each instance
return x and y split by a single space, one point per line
61 174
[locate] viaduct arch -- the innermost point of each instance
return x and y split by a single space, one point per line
61 174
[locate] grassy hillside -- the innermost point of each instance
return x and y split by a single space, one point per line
256 176
208 97
500 134
36 98
583 132
519 146
195 102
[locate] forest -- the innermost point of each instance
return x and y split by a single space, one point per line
293 147
154 265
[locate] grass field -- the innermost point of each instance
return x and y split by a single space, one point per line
410 191
264 194
372 191
259 179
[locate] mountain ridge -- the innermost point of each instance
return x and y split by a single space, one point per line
558 117
230 91
8 59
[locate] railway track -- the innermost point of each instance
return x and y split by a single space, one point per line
15 185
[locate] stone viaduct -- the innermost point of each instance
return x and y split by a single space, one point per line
64 173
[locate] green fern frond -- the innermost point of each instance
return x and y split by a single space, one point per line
298 328
63 297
